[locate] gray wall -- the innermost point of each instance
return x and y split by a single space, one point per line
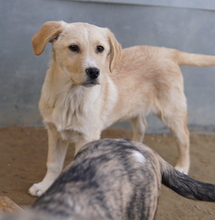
22 73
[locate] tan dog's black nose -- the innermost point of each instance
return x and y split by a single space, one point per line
92 72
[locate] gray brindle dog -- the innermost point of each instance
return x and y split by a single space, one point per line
114 179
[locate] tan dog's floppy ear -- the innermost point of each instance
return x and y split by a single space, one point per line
48 32
115 51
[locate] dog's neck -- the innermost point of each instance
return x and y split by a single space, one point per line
71 104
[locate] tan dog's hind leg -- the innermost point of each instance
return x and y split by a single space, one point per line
175 119
182 135
57 149
138 126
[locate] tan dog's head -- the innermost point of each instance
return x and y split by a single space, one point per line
81 50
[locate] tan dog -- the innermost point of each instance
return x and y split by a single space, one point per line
92 83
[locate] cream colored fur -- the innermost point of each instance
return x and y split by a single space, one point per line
132 83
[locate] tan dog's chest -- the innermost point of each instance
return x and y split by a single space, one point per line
70 112
77 111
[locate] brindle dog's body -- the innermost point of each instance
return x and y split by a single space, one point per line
115 180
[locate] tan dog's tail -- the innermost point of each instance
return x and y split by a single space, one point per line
186 186
194 59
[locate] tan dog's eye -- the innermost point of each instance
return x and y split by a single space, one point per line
74 48
100 49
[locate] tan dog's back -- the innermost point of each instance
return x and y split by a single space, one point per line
148 76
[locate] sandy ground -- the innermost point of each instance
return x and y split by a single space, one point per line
23 153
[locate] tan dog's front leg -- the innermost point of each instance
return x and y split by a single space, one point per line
57 149
79 145
138 126
86 139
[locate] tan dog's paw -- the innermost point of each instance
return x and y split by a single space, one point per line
184 170
38 189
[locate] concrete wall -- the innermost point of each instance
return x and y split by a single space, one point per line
22 73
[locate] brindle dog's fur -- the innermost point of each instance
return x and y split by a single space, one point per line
115 179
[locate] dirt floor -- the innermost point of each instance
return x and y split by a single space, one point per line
23 156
